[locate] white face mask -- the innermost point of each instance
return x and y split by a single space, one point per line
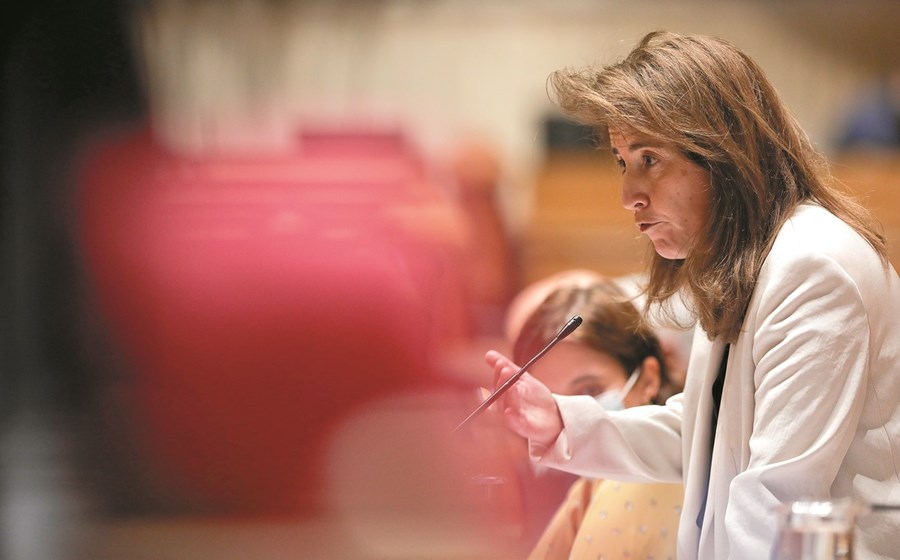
614 399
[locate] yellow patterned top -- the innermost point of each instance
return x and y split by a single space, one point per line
606 520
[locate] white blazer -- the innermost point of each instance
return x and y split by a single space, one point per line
810 407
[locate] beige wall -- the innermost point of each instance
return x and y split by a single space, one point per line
449 67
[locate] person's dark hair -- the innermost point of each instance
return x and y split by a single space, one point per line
611 325
714 103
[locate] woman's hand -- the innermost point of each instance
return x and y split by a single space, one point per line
528 406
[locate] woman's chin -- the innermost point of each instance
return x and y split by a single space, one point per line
668 253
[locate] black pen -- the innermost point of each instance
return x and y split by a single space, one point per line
569 327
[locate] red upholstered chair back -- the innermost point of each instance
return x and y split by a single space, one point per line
256 301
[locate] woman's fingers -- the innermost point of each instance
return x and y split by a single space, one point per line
495 359
503 367
516 422
528 406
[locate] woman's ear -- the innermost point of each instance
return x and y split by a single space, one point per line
647 386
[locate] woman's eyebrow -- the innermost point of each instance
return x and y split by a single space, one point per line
637 146
585 378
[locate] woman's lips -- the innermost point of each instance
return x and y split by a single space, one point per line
644 226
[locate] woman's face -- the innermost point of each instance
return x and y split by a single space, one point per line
668 193
576 369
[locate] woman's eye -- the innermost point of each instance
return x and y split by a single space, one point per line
621 163
590 390
649 161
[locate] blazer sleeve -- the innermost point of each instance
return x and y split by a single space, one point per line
639 444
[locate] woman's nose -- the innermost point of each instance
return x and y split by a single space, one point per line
634 197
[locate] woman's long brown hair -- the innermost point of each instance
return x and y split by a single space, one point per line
715 104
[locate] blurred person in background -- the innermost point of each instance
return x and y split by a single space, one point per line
675 336
615 357
475 170
873 119
790 391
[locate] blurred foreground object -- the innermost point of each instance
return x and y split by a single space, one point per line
817 530
245 305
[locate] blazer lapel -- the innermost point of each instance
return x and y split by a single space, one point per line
703 367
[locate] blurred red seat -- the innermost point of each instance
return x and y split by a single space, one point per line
256 300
